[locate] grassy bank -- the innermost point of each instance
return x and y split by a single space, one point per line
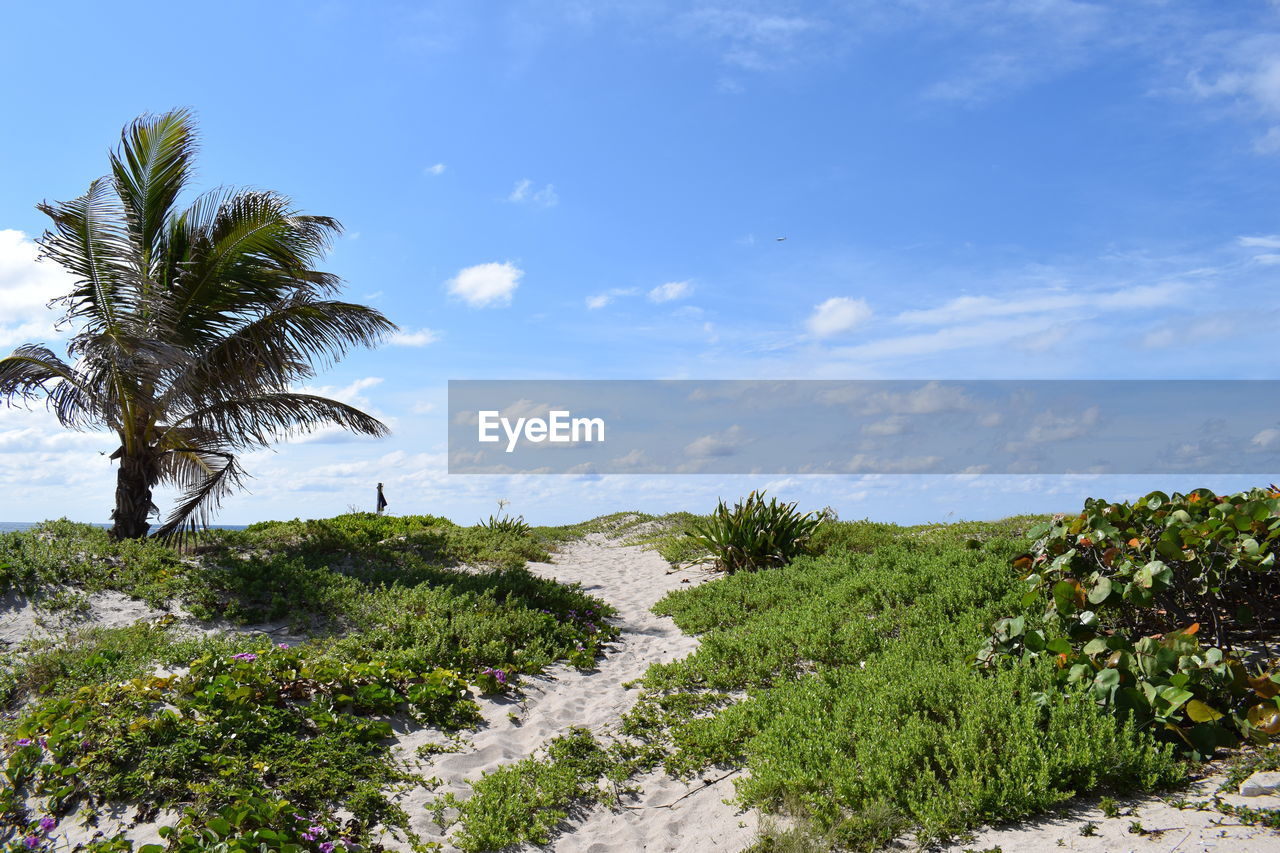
410 618
854 688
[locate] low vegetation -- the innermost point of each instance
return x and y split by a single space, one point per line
239 731
841 665
845 680
523 802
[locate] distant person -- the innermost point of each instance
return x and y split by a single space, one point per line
382 500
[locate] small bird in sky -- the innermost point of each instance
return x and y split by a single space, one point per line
779 239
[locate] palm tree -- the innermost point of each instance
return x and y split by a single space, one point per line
192 326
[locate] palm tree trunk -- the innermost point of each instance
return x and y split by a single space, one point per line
137 474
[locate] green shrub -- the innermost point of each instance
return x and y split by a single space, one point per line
1165 562
1116 571
862 714
753 534
524 801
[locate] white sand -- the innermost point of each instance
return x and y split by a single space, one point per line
1169 829
22 618
666 816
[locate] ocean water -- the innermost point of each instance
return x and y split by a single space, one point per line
9 526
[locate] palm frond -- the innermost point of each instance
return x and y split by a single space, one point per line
207 477
34 371
278 349
150 169
250 251
89 241
262 419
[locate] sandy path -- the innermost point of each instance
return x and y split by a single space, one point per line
632 579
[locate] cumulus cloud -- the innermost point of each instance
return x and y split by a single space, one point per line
838 315
486 285
434 171
420 338
526 192
671 291
26 287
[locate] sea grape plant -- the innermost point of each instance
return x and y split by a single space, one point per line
1163 561
1159 567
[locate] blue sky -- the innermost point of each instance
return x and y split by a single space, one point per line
967 189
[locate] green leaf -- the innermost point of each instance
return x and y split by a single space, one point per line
1201 713
1059 646
1175 697
1101 591
1095 646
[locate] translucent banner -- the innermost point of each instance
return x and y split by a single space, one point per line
864 427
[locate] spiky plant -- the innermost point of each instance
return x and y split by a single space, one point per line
192 326
754 534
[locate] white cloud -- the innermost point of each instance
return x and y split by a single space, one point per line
967 309
752 40
1261 241
723 443
486 285
838 315
434 171
600 300
26 287
670 291
1249 81
420 338
863 463
524 192
896 425
1269 437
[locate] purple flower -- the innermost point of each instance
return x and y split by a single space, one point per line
47 824
23 741
44 742
327 847
245 656
316 830
32 842
308 836
283 646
